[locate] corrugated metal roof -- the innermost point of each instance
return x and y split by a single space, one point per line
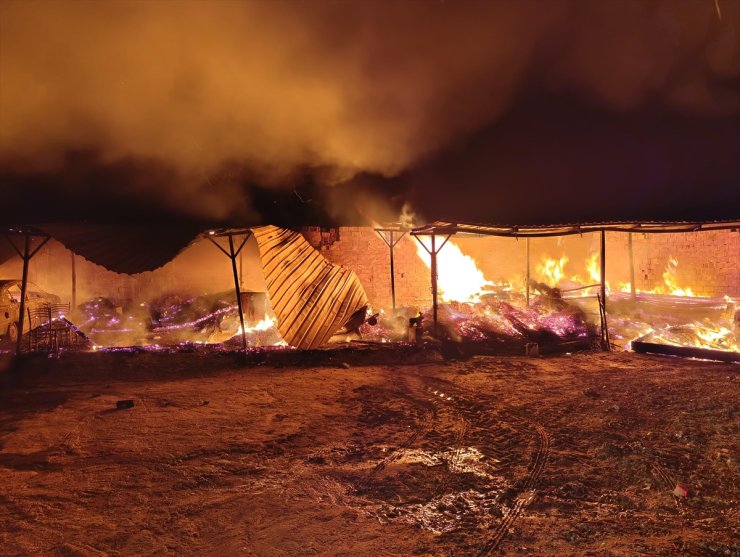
128 249
311 297
643 227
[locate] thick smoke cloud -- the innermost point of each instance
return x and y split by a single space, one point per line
216 95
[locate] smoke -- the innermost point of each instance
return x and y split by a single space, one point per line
221 94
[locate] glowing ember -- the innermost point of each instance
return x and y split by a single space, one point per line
459 278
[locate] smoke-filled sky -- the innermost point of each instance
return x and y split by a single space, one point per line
506 111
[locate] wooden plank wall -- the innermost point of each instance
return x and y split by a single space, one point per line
311 297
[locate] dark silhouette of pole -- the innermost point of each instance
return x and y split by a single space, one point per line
232 254
605 327
24 284
238 290
393 274
633 287
26 255
527 271
74 282
433 253
391 242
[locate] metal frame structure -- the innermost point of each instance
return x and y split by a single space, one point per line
433 251
539 231
391 243
232 254
26 255
448 229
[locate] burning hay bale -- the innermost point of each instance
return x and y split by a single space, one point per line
183 318
497 322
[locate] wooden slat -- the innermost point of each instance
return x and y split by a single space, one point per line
311 297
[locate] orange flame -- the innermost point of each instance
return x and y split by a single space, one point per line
459 278
551 271
263 325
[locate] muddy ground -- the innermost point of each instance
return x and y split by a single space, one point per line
570 455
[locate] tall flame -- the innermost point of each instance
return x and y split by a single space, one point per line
552 271
593 267
459 278
671 283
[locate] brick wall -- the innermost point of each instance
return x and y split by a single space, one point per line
364 252
708 262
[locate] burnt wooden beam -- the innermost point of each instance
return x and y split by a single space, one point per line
644 347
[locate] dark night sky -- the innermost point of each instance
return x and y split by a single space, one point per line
334 112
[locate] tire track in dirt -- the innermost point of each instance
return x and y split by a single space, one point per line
445 405
477 415
528 490
420 429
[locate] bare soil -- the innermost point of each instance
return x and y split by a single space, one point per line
569 455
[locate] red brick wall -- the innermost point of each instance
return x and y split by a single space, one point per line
363 251
708 262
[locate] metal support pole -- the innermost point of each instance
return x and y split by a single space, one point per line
433 256
527 271
434 284
24 284
74 282
393 273
391 242
605 332
633 287
232 256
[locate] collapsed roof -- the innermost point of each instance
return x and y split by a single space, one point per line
133 249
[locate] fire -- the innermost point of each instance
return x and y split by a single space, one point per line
263 325
552 271
703 334
593 268
459 278
669 278
714 336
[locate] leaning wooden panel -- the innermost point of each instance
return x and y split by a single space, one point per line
311 297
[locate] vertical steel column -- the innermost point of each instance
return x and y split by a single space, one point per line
433 255
391 245
527 271
74 281
603 268
24 283
633 287
232 256
605 327
434 283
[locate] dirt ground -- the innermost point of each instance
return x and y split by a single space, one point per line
569 455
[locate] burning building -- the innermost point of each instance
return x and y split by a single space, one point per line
478 288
